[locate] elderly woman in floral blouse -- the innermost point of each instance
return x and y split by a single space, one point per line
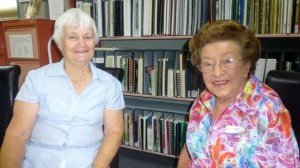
237 121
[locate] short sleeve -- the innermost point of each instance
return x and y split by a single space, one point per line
115 99
28 91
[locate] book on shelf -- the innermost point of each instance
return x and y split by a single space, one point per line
139 142
154 76
138 114
140 75
160 77
170 136
132 64
177 17
128 127
150 19
111 14
127 17
173 17
160 16
145 18
164 77
154 17
97 15
118 11
155 131
157 116
170 92
124 65
110 61
168 117
183 83
147 126
150 135
136 17
148 70
183 128
177 83
106 18
182 62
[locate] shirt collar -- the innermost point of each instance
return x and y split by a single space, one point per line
244 100
58 70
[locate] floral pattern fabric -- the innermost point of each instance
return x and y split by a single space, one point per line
254 131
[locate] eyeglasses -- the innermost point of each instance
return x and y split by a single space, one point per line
226 64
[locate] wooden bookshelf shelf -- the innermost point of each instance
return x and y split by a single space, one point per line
188 37
278 35
145 38
159 97
148 151
176 106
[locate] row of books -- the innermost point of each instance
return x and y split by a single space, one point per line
170 73
155 72
146 17
261 16
154 131
185 17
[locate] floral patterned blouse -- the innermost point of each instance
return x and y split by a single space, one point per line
254 131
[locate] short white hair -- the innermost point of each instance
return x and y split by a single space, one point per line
73 17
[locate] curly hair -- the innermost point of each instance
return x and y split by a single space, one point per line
223 30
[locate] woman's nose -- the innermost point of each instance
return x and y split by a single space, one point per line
217 70
81 42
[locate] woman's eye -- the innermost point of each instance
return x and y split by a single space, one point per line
207 64
72 37
228 61
88 37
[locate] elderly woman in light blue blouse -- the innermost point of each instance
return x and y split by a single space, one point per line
67 114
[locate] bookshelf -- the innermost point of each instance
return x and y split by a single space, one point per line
285 47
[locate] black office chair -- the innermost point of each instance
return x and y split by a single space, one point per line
287 85
116 72
9 81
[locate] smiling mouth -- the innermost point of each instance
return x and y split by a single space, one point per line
220 83
81 51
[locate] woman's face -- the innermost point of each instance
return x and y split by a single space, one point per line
225 80
77 45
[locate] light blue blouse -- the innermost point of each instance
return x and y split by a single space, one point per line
69 128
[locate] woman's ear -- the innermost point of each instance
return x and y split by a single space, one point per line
59 45
247 68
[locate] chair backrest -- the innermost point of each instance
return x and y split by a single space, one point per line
287 85
9 80
119 74
116 72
